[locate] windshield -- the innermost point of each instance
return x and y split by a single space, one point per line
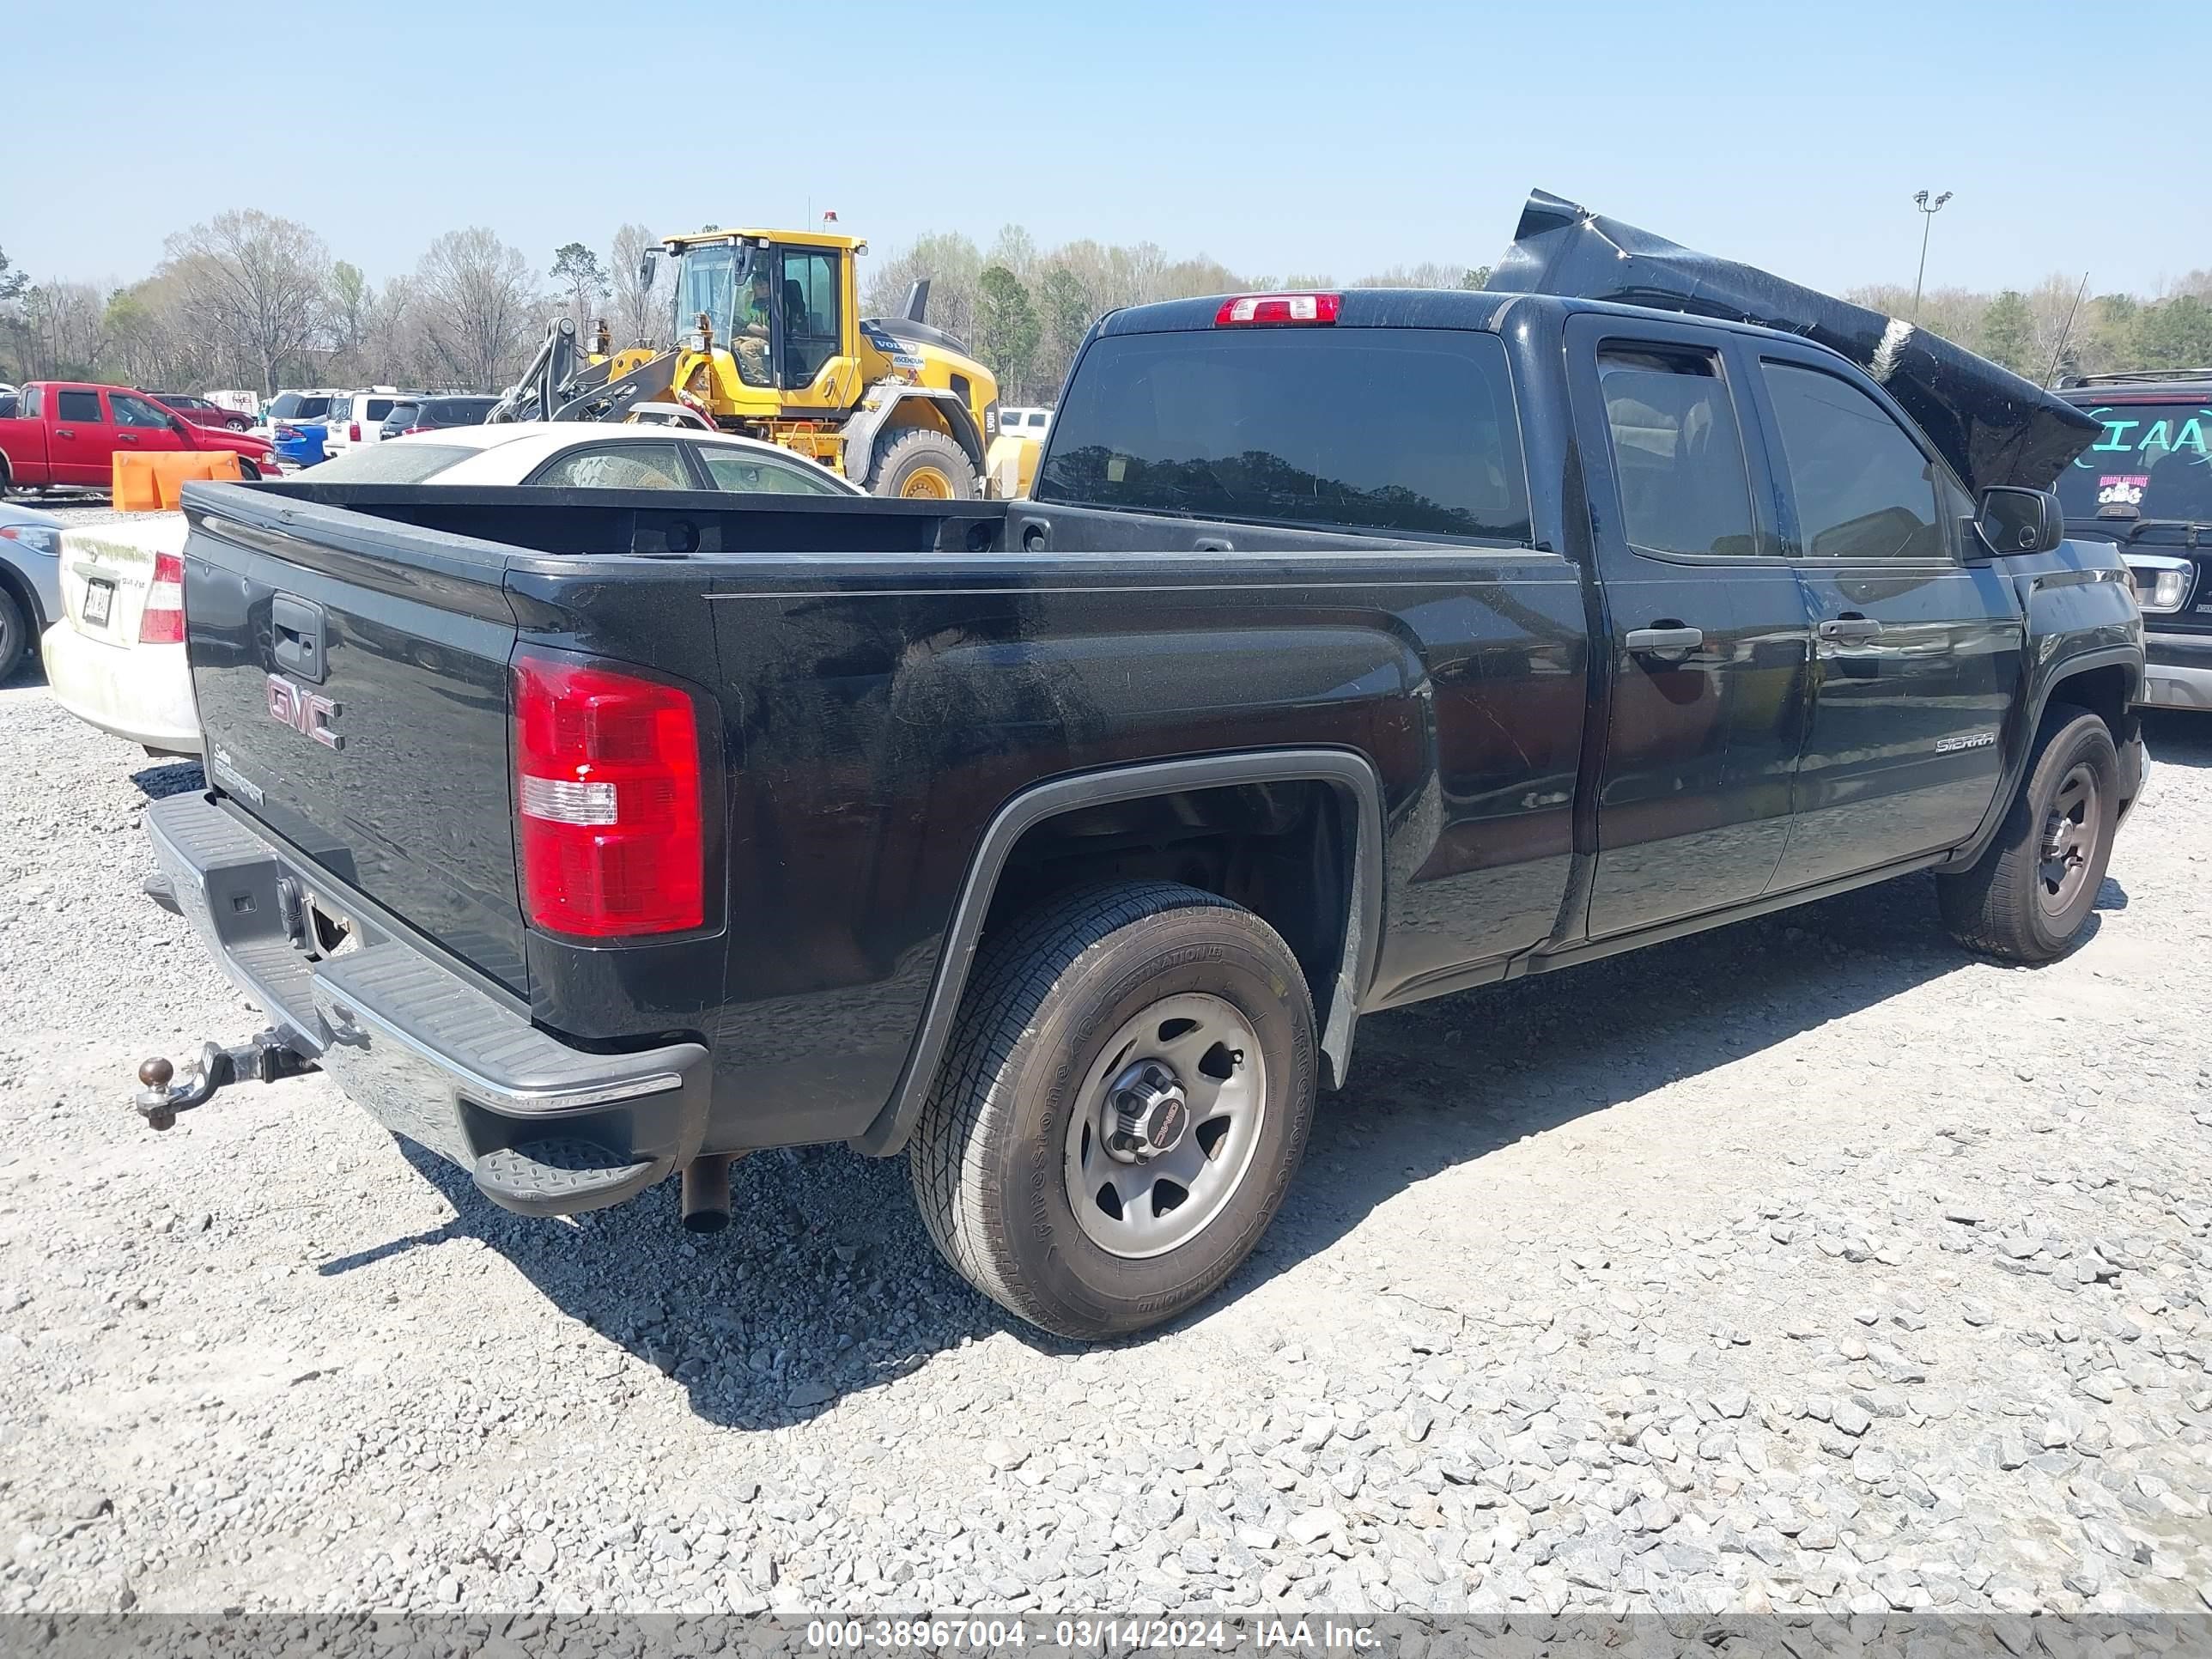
402 460
707 279
2150 462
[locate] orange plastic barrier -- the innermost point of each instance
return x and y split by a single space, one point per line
150 483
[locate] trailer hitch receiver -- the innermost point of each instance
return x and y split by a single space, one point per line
261 1059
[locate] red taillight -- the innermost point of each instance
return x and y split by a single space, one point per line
410 431
1249 309
353 432
607 801
162 621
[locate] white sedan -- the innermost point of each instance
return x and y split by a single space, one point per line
116 659
583 454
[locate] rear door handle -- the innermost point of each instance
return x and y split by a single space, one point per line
1678 640
1848 628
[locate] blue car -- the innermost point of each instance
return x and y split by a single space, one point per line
299 442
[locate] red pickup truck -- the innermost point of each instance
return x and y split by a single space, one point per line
69 433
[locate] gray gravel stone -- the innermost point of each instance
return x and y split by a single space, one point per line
1508 1344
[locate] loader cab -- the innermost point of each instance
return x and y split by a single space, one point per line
802 285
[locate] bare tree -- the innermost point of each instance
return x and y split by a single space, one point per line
577 269
478 306
955 270
62 331
637 318
150 343
254 286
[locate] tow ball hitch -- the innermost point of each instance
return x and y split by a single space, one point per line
262 1059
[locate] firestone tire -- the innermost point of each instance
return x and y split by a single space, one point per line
1043 1026
2028 895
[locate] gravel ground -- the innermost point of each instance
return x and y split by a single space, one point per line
1807 1264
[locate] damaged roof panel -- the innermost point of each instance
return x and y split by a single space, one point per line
1992 426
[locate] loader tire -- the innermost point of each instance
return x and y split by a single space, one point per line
916 464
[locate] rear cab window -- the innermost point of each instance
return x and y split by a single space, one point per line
1388 431
82 407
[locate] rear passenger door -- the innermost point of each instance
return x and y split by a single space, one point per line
1915 653
1705 627
80 440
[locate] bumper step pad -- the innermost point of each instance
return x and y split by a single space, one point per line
561 1177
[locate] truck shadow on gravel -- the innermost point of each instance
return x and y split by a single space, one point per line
825 1286
2178 738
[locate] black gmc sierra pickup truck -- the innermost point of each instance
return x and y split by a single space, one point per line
1354 649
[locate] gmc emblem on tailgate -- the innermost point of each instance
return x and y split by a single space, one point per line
308 712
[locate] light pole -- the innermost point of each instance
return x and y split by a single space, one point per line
1927 211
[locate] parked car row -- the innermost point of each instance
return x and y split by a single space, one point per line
65 432
201 411
113 639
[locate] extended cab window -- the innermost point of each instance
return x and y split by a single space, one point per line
1863 490
1408 430
1677 451
81 407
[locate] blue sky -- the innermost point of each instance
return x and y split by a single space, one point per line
1273 135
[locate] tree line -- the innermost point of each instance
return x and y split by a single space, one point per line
250 299
2060 327
1023 309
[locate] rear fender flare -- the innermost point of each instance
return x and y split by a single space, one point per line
1360 790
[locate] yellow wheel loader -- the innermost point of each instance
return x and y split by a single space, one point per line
771 343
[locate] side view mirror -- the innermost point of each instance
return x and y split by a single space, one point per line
646 261
2016 521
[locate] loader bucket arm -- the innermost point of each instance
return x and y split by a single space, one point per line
561 384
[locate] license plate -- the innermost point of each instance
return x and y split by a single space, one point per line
99 599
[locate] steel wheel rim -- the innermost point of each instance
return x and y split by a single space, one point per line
2071 830
1193 1033
927 484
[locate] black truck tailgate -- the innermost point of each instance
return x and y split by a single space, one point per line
352 683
